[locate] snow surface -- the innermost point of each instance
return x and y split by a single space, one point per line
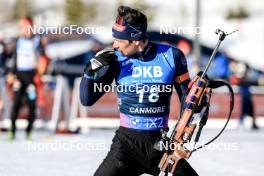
238 152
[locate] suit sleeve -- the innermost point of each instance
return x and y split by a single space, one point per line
90 85
181 77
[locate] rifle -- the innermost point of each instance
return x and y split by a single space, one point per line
197 100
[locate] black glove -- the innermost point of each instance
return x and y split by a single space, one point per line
102 58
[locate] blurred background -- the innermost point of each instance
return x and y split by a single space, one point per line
189 25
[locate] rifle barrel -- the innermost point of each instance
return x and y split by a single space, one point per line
211 58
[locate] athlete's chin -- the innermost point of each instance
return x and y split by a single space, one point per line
124 53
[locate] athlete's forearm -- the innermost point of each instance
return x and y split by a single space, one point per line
87 94
182 88
89 91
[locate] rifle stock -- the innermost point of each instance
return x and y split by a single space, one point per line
184 129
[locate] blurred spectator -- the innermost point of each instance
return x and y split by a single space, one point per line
3 92
27 50
186 48
242 78
220 67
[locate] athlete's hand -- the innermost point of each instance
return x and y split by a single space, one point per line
102 58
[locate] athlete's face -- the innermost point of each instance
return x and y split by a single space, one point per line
125 47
